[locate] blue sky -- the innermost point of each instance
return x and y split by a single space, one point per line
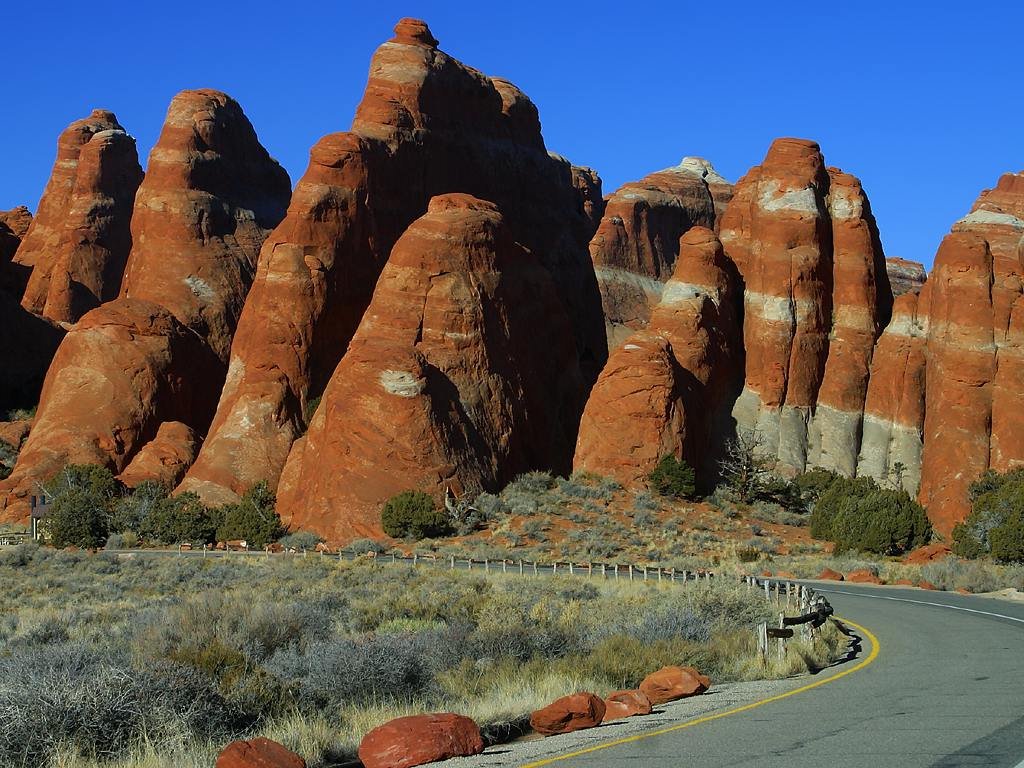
922 100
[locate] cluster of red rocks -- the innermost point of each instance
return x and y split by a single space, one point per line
442 303
420 739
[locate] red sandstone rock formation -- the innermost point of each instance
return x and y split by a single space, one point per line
905 276
165 458
13 226
258 753
420 739
668 389
569 713
861 306
462 372
816 297
210 197
122 370
41 241
893 429
130 365
427 125
78 249
671 683
623 704
637 243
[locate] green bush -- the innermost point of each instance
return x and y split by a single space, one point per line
413 514
995 525
181 518
78 518
673 477
84 496
856 514
131 510
252 519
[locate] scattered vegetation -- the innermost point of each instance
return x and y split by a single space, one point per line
673 478
413 515
995 526
165 659
858 515
90 505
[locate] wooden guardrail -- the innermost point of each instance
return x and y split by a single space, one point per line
815 611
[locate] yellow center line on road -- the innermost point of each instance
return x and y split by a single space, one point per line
735 711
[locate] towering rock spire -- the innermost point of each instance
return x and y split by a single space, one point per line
427 125
444 383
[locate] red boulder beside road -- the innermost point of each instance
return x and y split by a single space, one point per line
829 575
622 704
258 753
419 739
863 576
569 713
671 683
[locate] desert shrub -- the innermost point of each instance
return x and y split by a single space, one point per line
181 518
674 478
363 546
491 506
84 496
131 510
78 518
96 705
642 500
253 518
126 540
575 487
748 554
8 456
413 514
813 483
300 540
995 526
746 467
532 483
856 514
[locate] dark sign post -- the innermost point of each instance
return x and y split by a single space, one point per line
40 509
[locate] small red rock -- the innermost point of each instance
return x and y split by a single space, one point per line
903 583
926 585
963 591
863 576
671 683
622 704
258 753
928 553
569 713
829 575
419 739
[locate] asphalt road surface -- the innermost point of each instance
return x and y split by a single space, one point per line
937 685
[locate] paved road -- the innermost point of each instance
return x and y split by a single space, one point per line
945 689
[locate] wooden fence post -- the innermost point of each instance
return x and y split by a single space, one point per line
570 568
631 572
534 567
451 563
520 567
768 591
782 640
554 568
645 573
504 566
762 640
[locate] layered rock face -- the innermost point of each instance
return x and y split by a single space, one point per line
975 352
444 382
813 274
669 388
905 276
427 125
211 195
893 432
637 242
122 370
79 243
157 354
861 306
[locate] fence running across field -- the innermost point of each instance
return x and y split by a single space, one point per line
787 595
